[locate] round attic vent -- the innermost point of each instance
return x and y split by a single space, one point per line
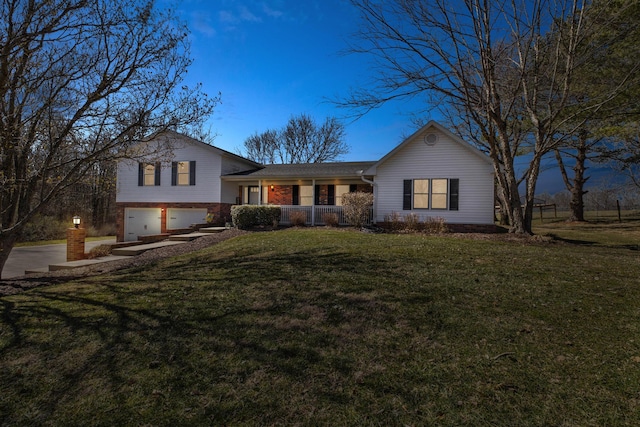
430 139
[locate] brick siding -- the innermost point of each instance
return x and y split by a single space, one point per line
75 243
281 195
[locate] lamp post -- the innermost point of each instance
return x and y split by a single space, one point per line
75 241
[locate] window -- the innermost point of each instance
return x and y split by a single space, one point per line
437 193
325 195
148 174
183 173
421 194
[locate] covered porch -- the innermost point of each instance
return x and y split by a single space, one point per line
314 200
312 190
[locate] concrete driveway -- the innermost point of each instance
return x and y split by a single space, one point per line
36 257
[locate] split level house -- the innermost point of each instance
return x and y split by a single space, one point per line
432 174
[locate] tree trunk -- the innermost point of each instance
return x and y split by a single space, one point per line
576 185
503 167
576 205
506 174
504 214
532 179
518 223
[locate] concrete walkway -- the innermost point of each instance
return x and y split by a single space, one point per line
44 258
31 258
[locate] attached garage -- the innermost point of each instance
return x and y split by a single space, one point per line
141 221
178 218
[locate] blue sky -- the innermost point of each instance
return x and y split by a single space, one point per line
272 59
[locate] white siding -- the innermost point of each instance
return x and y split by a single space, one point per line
229 192
446 159
233 165
210 165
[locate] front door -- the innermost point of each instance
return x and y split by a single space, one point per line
254 195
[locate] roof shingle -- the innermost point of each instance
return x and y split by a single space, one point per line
309 170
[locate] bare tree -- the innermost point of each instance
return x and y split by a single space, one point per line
81 81
263 148
494 62
300 141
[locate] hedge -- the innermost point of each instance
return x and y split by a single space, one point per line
247 216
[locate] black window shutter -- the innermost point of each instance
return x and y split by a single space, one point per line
157 174
295 195
454 185
192 172
353 188
406 194
174 173
331 194
140 174
316 198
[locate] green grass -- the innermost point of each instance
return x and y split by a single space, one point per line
601 229
334 327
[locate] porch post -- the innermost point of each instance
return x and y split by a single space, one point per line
313 203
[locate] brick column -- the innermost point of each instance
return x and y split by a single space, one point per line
75 243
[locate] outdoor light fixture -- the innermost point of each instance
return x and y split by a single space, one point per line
76 221
272 188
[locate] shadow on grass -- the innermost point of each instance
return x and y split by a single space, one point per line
126 348
133 335
572 241
353 331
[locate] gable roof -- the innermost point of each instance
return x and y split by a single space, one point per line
432 124
220 151
307 170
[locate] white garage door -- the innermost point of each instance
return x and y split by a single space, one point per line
183 217
141 221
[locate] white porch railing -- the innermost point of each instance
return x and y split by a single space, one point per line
315 214
287 210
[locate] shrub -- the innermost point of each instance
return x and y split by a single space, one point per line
247 216
105 230
412 222
298 218
394 221
99 251
357 208
42 227
435 225
330 219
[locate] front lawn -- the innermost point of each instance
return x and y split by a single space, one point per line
601 229
334 327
